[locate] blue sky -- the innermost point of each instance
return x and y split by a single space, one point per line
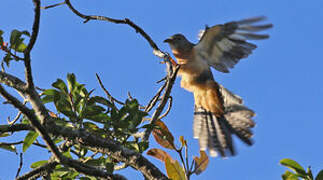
281 81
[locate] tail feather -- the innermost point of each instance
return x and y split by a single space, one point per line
215 131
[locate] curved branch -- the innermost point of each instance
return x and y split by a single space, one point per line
170 103
35 28
126 21
33 37
169 84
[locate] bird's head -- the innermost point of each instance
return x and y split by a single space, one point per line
178 42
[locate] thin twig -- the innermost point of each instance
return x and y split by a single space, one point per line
20 165
120 167
37 172
5 49
186 158
161 80
170 102
90 157
19 113
118 21
52 6
154 100
112 99
169 84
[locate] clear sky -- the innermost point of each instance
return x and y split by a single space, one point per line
281 81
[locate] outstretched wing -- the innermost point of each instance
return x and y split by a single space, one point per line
222 46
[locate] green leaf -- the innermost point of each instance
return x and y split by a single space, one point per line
85 178
38 163
50 92
26 33
101 100
29 139
21 47
16 42
71 81
59 84
174 169
15 36
91 126
309 173
47 99
289 176
11 148
63 105
100 118
92 111
319 175
1 32
49 95
293 165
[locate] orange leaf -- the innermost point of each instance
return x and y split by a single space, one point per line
183 141
52 114
159 154
163 136
201 162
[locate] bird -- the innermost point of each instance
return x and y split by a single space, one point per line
218 113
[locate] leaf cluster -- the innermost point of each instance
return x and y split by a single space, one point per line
16 44
298 171
75 107
174 169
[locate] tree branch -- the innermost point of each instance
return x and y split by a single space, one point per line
15 128
37 172
52 6
20 165
33 119
13 82
126 21
112 99
169 84
106 146
33 37
50 144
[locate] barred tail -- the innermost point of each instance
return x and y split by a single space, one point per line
215 132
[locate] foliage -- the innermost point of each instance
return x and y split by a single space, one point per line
76 107
298 171
16 44
174 170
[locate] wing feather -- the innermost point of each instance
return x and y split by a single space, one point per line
222 46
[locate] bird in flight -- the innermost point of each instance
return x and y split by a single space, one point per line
219 113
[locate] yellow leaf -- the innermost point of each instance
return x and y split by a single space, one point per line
174 170
183 141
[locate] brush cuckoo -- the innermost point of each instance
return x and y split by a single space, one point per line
219 113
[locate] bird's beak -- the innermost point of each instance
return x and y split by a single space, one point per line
168 40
